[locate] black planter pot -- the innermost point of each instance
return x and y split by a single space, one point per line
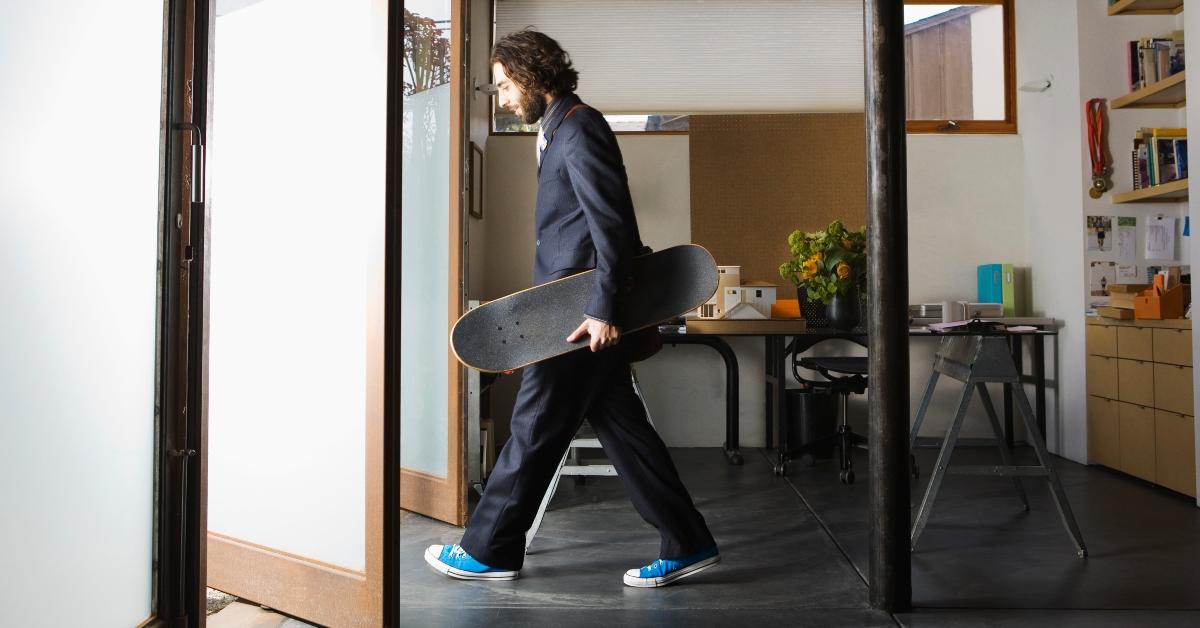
844 312
815 313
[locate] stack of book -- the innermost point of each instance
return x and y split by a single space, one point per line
1159 156
1152 59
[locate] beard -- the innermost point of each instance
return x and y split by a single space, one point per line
533 106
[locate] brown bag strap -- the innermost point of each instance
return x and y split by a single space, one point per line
560 123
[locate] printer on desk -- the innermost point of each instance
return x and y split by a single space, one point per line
963 310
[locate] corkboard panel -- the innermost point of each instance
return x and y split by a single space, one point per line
756 178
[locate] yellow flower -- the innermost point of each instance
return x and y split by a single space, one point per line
843 270
819 256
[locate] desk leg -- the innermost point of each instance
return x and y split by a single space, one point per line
777 396
1008 405
1039 375
768 411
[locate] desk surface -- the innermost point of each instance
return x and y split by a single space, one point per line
797 326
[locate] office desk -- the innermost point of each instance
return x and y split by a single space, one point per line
782 338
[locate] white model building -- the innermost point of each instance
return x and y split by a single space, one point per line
750 300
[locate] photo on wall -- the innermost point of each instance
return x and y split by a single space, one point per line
1103 274
1099 233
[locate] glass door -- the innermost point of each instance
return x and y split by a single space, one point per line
296 300
431 458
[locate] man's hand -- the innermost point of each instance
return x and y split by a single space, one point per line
602 334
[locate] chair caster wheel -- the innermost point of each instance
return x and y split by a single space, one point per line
780 469
847 476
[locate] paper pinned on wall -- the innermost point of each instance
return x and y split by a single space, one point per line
1103 274
1099 233
1127 237
1127 273
1160 238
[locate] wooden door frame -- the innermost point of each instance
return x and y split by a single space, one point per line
446 498
177 591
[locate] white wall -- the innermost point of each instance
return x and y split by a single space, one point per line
1051 132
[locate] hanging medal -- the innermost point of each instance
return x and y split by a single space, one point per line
1094 111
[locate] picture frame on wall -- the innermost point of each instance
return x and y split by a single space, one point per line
475 183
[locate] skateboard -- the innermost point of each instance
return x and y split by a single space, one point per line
532 325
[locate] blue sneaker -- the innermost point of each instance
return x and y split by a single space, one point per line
454 561
662 572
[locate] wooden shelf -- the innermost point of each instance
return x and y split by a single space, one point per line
1146 7
1165 193
1169 93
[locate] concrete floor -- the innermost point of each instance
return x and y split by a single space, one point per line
982 561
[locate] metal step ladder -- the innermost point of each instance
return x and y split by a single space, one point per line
976 360
572 463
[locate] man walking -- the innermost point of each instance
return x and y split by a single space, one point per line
584 219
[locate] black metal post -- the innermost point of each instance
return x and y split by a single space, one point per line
887 272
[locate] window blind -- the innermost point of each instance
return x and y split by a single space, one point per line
705 56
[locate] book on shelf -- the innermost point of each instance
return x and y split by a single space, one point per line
1152 59
1159 156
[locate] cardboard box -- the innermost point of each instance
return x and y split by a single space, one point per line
1119 313
1123 295
1150 305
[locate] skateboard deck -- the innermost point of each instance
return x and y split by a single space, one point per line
532 325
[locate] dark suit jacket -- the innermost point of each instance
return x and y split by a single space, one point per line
584 217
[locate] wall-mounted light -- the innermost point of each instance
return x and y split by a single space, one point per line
486 88
1037 86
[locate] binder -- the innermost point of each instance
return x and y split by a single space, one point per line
1002 283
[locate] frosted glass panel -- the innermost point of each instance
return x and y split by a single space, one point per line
79 158
424 307
297 200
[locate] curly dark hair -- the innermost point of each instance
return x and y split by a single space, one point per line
536 63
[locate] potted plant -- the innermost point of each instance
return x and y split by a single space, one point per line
827 268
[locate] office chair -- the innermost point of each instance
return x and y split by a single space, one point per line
843 376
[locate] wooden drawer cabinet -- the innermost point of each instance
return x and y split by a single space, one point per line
1173 346
1173 388
1140 400
1135 343
1135 382
1174 451
1102 376
1137 440
1102 340
1104 432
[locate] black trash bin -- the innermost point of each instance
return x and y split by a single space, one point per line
812 414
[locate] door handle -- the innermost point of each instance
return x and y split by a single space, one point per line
197 170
